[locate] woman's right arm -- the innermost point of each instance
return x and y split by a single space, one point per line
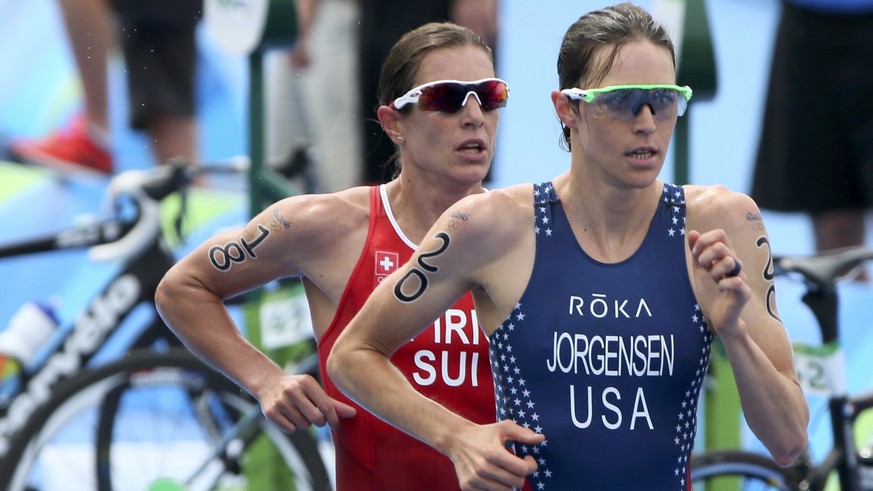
453 258
190 299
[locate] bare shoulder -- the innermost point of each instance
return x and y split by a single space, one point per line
301 231
321 216
737 214
711 207
498 214
484 243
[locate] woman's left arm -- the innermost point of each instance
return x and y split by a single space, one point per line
726 229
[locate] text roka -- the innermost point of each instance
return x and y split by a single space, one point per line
649 355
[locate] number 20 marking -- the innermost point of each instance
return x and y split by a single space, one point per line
422 279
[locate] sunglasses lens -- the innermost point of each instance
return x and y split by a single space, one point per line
492 94
625 104
449 97
445 97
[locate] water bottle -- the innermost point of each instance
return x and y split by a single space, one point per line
28 330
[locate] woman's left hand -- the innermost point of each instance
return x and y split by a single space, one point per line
719 279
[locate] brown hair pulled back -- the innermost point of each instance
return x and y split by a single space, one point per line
400 68
609 28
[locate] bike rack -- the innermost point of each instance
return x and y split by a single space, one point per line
688 23
697 68
251 28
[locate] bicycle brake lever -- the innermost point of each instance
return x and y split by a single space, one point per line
146 226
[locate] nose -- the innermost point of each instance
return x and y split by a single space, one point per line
472 113
644 119
467 98
639 109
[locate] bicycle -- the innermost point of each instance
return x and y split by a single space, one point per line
57 403
741 470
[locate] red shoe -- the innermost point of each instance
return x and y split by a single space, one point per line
70 150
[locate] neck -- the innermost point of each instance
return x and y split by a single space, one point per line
609 223
417 205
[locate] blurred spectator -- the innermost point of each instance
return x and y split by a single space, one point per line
157 38
341 46
818 125
313 105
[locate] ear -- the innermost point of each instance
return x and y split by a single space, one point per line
392 123
563 109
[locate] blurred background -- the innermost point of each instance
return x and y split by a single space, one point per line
39 91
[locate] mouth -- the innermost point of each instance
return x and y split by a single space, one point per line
472 147
642 154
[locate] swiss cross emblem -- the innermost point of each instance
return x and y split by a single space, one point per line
386 263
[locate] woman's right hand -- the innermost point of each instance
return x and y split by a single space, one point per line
297 401
483 462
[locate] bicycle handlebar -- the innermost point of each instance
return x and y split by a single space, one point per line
146 225
147 189
118 237
78 237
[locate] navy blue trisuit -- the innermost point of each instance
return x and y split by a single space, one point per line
606 360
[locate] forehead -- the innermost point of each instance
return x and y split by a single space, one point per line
456 63
640 62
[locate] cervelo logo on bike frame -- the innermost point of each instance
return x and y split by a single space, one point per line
88 335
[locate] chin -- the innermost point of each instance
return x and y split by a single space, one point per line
643 178
475 174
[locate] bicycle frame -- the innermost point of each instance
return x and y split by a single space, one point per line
139 245
843 457
820 369
820 274
134 285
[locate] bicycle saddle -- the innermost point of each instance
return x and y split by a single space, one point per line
826 267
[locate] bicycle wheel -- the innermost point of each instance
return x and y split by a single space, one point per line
157 422
739 471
